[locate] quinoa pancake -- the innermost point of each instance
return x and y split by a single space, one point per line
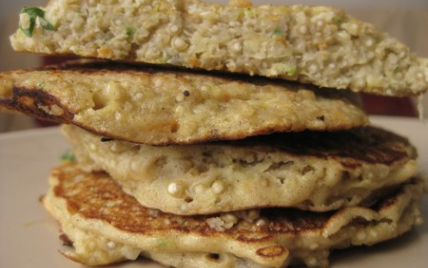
317 171
105 225
159 106
317 45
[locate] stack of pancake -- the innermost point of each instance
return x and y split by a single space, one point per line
223 162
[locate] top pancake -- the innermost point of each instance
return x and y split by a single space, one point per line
157 106
312 44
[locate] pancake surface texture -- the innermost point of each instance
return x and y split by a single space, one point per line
318 171
159 106
317 45
106 225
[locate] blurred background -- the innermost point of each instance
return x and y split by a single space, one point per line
405 20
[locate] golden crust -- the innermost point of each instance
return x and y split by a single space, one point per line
93 205
316 171
159 107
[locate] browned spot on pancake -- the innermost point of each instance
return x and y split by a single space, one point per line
29 101
272 251
253 237
351 148
391 198
66 241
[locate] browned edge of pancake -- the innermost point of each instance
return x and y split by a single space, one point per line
31 100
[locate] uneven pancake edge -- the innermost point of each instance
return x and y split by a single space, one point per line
311 44
114 217
309 170
174 107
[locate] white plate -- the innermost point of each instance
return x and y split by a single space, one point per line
29 236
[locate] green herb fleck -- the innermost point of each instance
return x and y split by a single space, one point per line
278 31
337 21
249 11
123 55
41 85
291 70
156 7
162 244
68 156
164 60
397 69
130 31
46 25
34 13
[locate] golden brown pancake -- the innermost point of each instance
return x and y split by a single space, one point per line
159 106
316 171
106 225
317 45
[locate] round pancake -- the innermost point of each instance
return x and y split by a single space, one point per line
316 171
106 225
317 45
160 106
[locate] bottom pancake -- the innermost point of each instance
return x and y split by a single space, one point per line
106 225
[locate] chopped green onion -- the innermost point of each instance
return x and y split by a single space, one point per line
28 31
46 24
34 13
130 31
